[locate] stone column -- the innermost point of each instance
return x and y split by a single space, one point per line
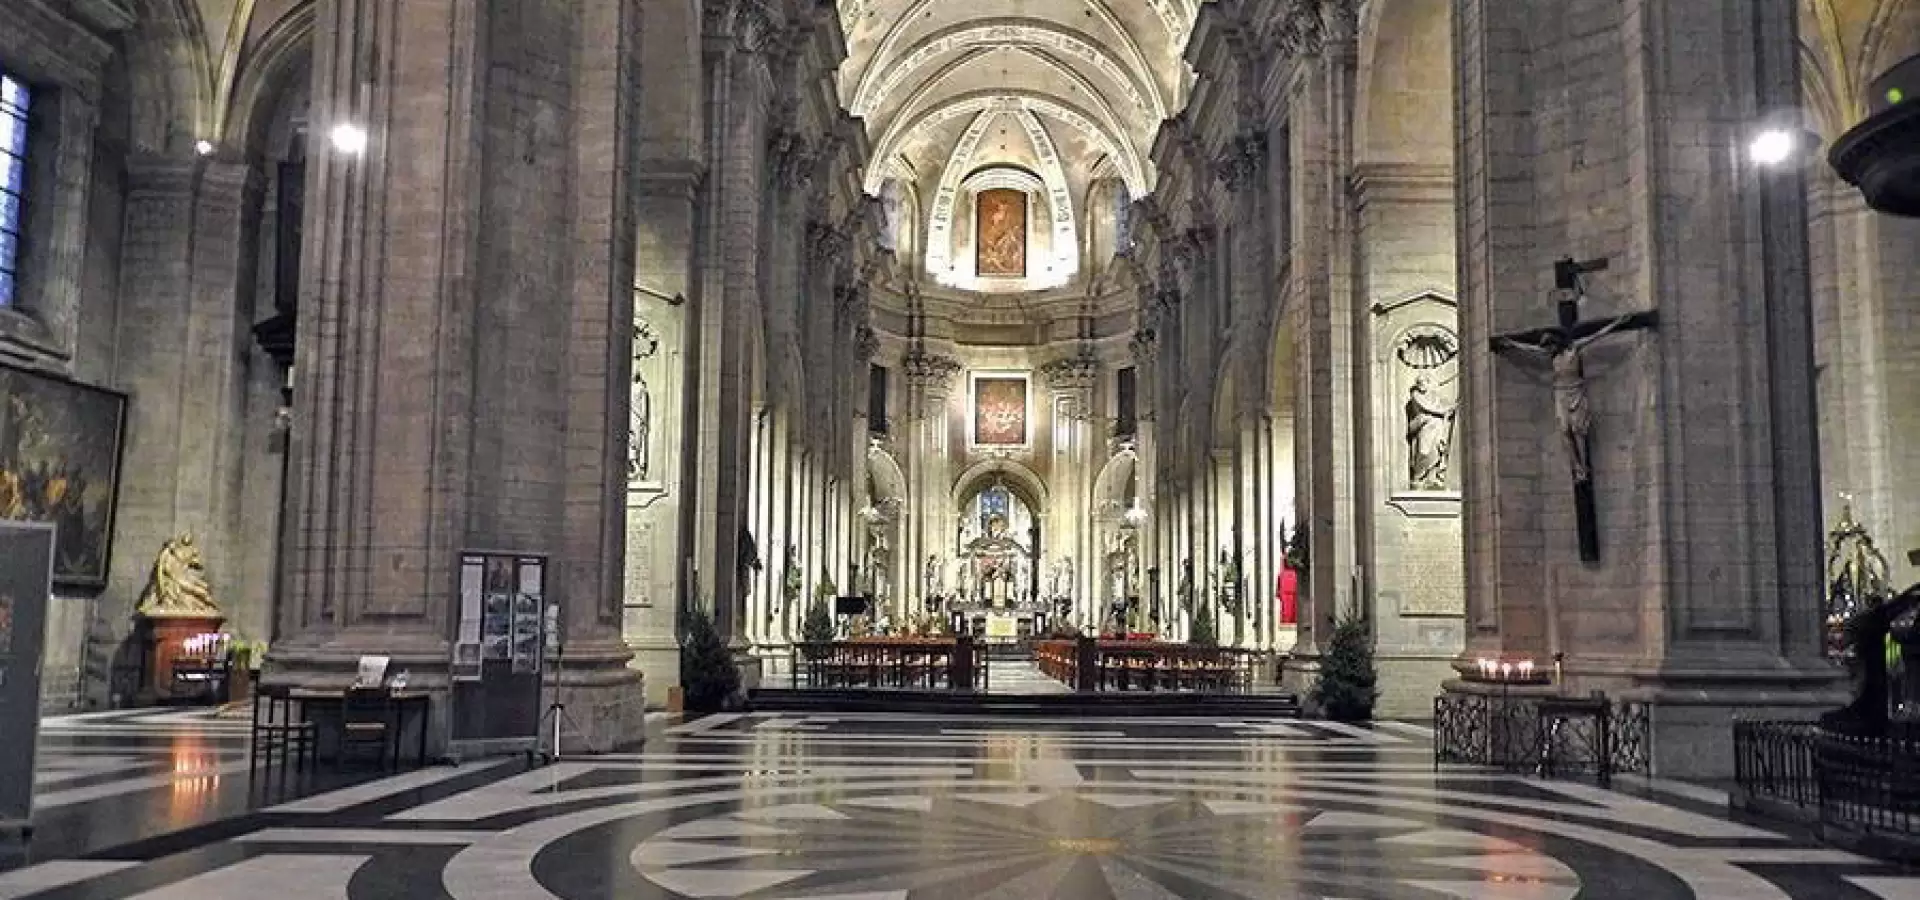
1322 311
1705 601
414 378
931 379
1867 330
730 300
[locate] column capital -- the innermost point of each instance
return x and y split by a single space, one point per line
1243 158
931 373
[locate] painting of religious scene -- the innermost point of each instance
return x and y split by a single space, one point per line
1000 233
60 463
1000 411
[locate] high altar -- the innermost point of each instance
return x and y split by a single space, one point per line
997 593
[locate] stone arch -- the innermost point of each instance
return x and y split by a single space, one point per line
886 482
1019 479
1403 110
1116 487
1132 75
1223 413
171 75
1105 134
276 67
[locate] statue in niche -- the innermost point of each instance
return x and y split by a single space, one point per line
640 413
963 577
1427 350
1429 435
639 424
177 587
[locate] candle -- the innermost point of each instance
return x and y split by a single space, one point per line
1506 671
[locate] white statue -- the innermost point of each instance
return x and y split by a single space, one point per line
1063 577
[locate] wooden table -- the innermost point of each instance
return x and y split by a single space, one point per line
399 702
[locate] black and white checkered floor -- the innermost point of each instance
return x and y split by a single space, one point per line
892 807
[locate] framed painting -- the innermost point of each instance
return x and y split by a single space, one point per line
1000 233
60 444
1000 416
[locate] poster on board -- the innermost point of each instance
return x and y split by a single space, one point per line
26 581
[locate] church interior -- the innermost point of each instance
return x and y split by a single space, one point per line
532 338
1531 332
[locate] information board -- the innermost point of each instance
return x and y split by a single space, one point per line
26 581
499 647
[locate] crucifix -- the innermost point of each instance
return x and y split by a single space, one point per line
1560 345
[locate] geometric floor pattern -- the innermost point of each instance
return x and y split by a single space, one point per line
893 807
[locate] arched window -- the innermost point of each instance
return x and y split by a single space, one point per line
14 101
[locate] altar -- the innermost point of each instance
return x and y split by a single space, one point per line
999 625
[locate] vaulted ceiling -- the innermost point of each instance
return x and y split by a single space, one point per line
948 87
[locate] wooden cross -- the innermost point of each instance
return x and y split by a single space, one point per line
1560 346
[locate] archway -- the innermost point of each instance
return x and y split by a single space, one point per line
1406 534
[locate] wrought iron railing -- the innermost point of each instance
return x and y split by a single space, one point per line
1550 735
1863 784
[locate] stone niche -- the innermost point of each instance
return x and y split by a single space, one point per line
1415 359
653 505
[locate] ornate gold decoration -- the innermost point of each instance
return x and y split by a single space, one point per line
178 587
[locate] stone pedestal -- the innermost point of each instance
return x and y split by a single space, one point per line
165 640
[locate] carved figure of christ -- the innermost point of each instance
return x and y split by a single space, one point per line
1560 346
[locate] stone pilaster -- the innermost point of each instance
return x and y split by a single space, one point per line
1706 597
930 382
186 266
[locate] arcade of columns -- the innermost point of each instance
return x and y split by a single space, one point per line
1335 222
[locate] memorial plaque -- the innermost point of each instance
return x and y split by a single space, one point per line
1432 572
26 580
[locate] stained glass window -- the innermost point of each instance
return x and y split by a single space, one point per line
14 99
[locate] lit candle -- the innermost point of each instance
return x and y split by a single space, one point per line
1506 671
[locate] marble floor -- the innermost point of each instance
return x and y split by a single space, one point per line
892 807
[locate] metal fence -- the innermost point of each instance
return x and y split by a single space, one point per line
1549 736
1861 784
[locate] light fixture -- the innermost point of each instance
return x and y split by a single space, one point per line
1774 146
348 138
203 147
1136 515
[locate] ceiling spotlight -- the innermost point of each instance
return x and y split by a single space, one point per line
1774 146
348 138
203 147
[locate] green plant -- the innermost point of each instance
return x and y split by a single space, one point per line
1346 690
245 654
1295 556
707 672
1204 633
818 627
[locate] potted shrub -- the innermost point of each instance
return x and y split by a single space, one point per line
1346 690
707 673
1205 632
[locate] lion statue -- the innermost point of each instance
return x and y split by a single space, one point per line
178 586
